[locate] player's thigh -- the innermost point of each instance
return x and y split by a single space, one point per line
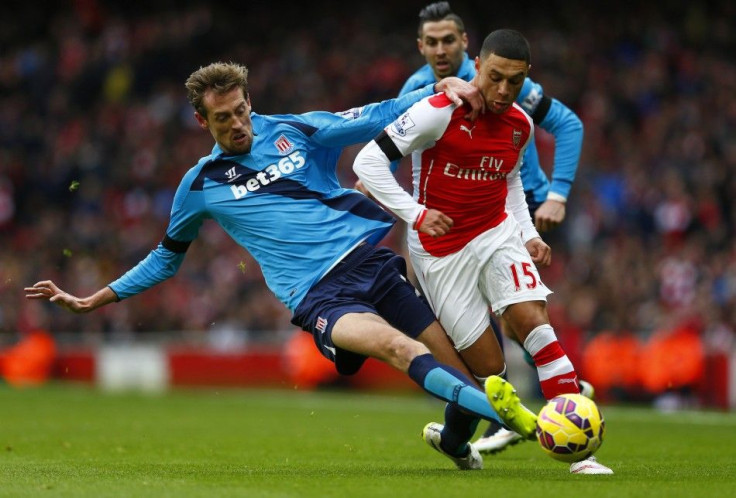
370 335
509 276
450 284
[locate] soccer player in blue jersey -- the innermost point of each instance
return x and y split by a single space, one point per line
270 182
443 42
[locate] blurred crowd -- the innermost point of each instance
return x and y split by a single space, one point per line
95 133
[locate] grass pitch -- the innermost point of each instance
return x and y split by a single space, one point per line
78 442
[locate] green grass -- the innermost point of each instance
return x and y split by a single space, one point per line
77 442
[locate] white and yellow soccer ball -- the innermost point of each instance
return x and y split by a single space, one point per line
570 427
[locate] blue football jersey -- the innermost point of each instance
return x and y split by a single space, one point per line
556 119
282 201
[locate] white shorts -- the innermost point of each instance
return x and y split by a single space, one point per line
494 270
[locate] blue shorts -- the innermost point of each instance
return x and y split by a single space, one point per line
531 203
368 280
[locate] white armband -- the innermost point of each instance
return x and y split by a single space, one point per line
552 196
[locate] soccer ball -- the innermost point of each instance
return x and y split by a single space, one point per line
570 428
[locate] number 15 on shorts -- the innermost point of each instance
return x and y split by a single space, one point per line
523 274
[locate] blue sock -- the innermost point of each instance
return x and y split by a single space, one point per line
449 384
459 428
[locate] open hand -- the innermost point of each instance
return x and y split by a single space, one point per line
46 289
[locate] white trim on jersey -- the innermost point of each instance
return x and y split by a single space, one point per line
517 206
418 163
515 198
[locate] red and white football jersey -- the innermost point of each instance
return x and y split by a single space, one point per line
460 167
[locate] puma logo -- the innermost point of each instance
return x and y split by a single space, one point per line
468 130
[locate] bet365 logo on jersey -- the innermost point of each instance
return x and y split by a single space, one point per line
269 174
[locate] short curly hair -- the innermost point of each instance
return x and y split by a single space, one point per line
506 43
218 76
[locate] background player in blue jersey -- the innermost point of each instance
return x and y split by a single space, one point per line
443 42
270 182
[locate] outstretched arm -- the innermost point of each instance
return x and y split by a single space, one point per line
338 130
160 264
567 129
46 289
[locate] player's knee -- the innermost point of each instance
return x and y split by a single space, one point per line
400 350
524 319
494 366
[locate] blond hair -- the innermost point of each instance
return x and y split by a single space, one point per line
218 76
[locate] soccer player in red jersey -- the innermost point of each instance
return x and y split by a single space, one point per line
473 243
